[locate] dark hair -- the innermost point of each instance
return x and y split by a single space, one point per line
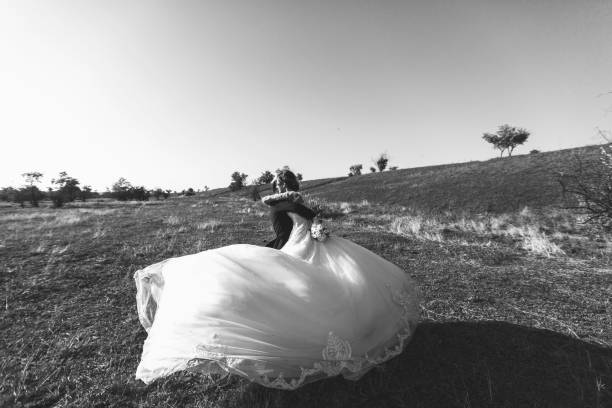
286 178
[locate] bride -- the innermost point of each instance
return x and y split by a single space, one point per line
316 308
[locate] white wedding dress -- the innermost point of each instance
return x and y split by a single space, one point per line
281 318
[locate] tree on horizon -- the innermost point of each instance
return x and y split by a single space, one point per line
32 178
507 138
355 170
238 181
382 162
265 178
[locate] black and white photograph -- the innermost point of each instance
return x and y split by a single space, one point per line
305 203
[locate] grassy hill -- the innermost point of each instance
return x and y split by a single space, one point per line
516 308
496 185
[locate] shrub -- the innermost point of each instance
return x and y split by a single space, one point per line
123 190
255 195
31 190
382 162
157 193
355 170
120 189
139 194
67 190
8 194
87 193
265 178
238 181
56 198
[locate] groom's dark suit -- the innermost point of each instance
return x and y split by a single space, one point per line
281 222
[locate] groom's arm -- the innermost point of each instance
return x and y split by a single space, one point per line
299 209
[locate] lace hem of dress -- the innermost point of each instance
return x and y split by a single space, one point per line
336 356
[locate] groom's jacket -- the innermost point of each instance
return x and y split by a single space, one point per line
281 222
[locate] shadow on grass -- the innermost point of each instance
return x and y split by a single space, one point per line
467 364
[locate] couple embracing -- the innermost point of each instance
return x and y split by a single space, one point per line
298 310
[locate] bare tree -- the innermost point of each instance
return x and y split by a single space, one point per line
590 185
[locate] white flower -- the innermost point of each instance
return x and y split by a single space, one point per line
318 231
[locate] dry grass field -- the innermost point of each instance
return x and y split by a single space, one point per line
516 308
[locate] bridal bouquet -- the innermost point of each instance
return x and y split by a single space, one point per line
318 231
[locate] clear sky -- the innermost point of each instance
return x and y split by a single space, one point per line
181 93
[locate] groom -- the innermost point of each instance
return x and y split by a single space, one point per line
279 208
281 222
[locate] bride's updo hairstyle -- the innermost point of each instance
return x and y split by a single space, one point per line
285 178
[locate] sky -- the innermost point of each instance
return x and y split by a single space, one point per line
181 93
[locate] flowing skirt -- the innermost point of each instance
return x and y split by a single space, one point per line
279 318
